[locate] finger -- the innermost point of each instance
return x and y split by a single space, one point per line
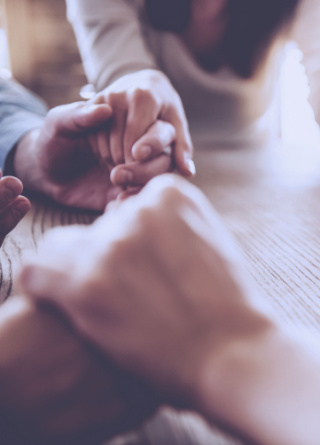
159 137
93 142
10 188
95 146
139 173
12 215
142 113
79 117
119 119
98 99
104 152
182 148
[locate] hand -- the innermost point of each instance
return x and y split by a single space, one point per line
13 207
138 101
59 158
56 388
160 275
163 292
159 136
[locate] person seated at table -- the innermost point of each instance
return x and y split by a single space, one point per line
210 65
55 152
168 298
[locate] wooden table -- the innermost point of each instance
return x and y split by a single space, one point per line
269 198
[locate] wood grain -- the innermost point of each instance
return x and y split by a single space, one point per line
269 199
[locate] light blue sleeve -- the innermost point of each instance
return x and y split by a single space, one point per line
20 112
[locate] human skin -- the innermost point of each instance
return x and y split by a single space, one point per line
13 206
206 28
163 291
141 98
54 388
59 159
138 100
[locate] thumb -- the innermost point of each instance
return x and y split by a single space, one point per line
79 117
182 146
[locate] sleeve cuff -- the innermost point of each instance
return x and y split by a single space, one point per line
13 128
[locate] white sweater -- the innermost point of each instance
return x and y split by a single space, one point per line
222 108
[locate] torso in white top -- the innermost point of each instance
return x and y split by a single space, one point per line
223 109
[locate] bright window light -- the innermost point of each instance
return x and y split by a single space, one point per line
298 125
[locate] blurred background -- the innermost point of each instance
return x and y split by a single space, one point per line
38 47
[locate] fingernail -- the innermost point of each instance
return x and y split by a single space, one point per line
124 177
190 165
144 152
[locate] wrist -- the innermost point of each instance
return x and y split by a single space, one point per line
266 387
24 154
226 371
215 363
26 163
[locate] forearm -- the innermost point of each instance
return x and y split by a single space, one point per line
50 385
110 39
267 387
56 388
22 388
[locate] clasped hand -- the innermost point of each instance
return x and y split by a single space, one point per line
86 154
156 284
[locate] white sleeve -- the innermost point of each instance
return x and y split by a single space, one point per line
110 38
306 32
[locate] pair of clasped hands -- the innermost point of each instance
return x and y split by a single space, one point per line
151 304
87 154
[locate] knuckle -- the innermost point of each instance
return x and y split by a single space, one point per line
117 100
172 195
122 252
147 219
141 96
115 253
155 144
171 191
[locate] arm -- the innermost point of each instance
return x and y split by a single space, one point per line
60 158
167 282
20 113
110 38
265 386
306 32
55 152
118 63
55 387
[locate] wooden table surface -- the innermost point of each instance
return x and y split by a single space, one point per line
269 199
